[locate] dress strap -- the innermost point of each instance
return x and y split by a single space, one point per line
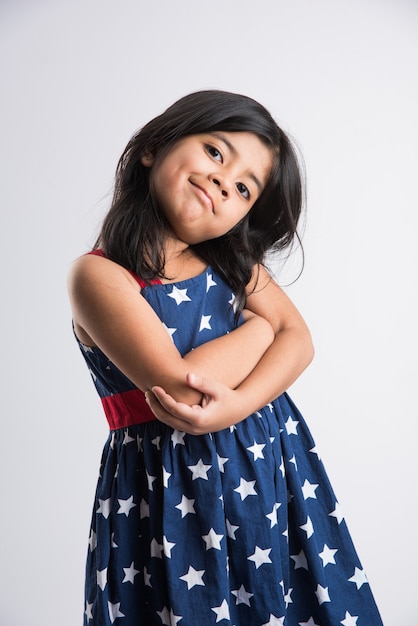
141 283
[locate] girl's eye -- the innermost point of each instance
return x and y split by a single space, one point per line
243 190
214 153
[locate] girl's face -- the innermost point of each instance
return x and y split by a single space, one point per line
207 183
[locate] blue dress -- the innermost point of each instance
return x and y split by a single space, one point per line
239 527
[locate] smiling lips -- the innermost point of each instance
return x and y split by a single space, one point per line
203 194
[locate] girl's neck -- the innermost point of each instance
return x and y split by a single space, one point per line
181 262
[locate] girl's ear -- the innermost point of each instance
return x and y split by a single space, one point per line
147 159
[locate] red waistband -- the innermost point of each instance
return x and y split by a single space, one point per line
126 409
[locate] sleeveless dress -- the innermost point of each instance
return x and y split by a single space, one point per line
240 527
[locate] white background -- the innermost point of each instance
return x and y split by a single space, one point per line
77 79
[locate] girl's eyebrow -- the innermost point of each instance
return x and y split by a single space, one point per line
233 151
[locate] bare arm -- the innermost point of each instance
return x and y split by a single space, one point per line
282 363
109 312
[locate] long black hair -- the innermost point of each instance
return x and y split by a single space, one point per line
134 229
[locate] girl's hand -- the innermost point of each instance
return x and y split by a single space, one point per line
219 409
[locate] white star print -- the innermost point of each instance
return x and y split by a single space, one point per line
88 613
257 450
193 577
156 549
185 506
231 530
104 507
168 546
337 513
164 616
114 544
127 438
130 573
314 450
359 577
93 375
150 480
273 515
291 426
86 348
222 611
174 618
139 443
242 596
274 621
260 557
92 540
327 555
308 489
209 282
282 469
212 540
166 476
143 509
101 576
221 463
179 295
177 438
170 331
350 620
147 578
287 597
205 323
310 622
293 460
300 560
156 442
322 594
246 488
308 527
114 611
200 470
126 505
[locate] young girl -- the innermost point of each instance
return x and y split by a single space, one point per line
212 504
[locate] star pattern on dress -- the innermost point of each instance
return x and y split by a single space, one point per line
242 596
349 620
257 450
337 513
322 594
231 529
308 527
130 573
170 331
359 578
193 577
327 555
212 540
209 282
177 438
222 611
291 426
300 560
125 506
186 506
308 489
273 515
105 507
200 470
274 621
167 546
260 556
246 488
101 577
176 533
114 611
310 622
179 295
205 323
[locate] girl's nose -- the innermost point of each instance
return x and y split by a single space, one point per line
222 184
